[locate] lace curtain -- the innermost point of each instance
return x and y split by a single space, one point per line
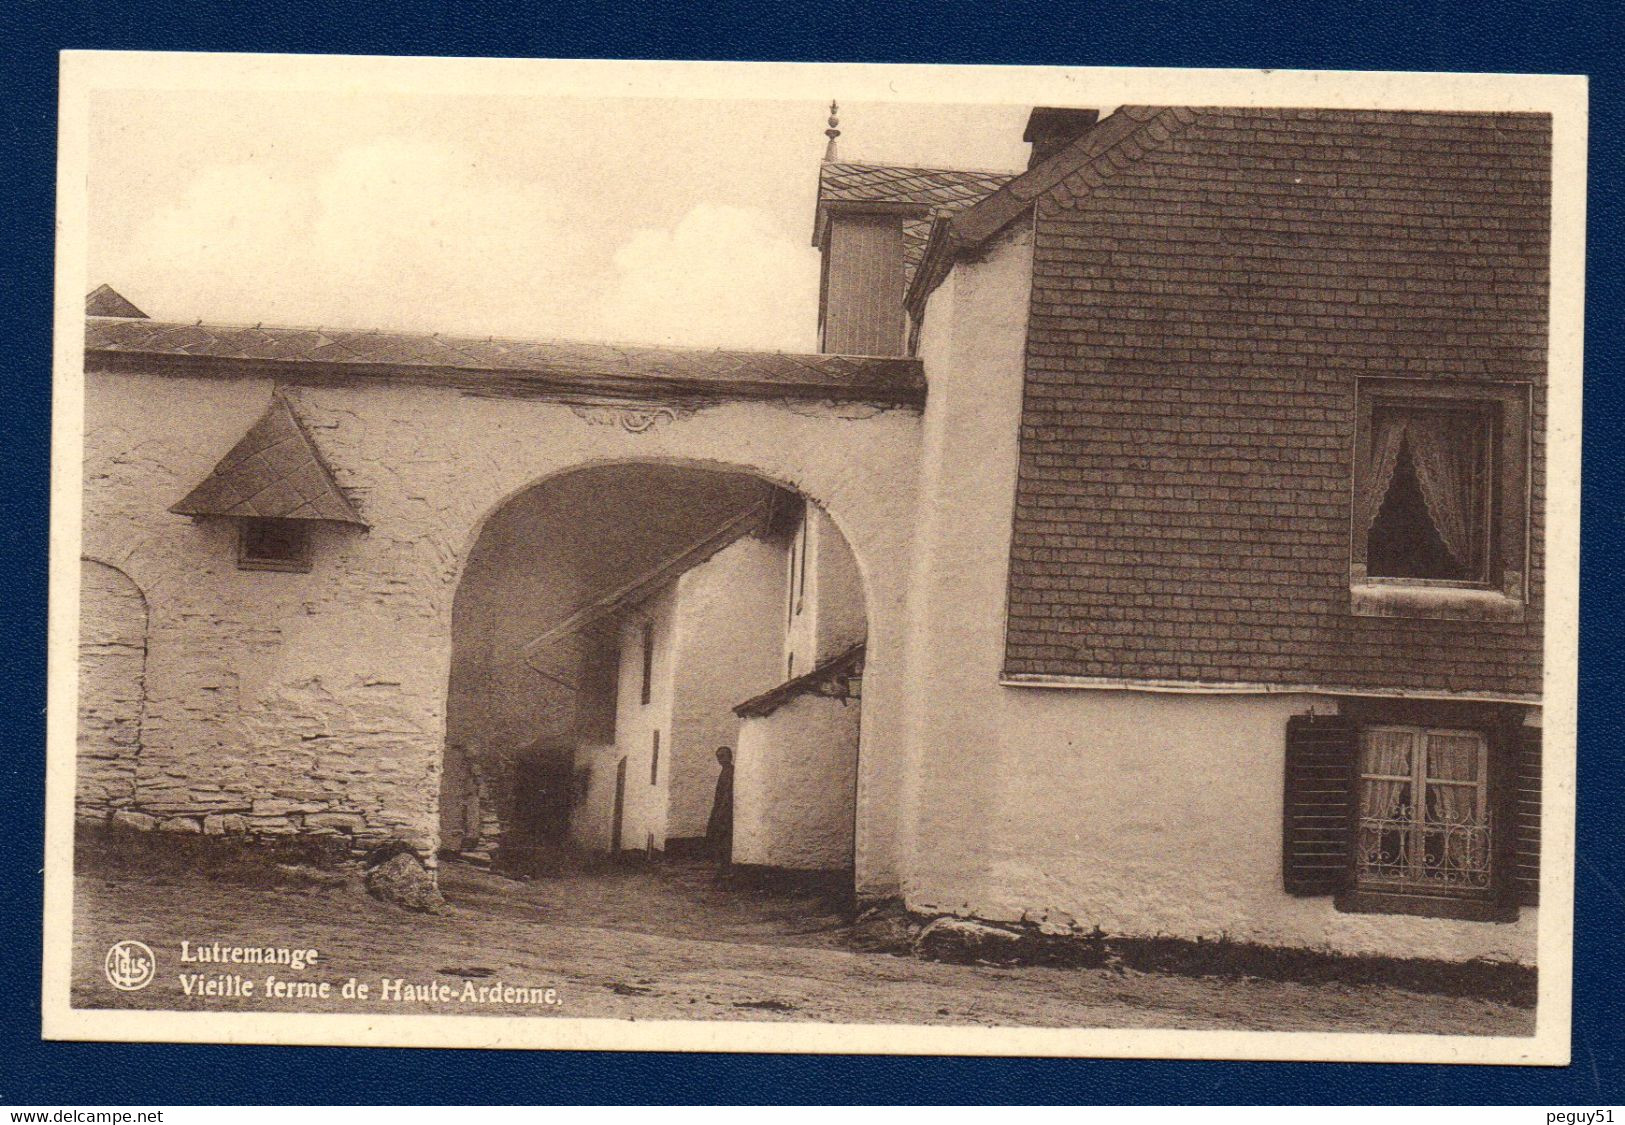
1387 752
1453 758
1443 450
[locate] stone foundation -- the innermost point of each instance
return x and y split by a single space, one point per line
242 821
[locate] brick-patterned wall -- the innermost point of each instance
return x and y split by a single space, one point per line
1198 321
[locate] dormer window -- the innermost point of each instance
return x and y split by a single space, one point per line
274 545
274 485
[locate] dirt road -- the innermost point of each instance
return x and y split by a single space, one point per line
661 943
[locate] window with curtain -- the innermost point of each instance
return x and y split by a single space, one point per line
1423 811
1424 500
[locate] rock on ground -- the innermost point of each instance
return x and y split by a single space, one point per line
963 941
403 880
887 928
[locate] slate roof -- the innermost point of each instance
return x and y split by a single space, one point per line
935 191
274 472
515 366
1200 316
104 300
1098 154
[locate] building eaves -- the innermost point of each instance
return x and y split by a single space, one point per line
822 680
499 367
1114 144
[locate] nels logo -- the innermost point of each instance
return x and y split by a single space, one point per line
130 966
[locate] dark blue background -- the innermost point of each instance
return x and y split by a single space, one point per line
1413 35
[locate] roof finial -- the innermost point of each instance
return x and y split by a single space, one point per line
832 132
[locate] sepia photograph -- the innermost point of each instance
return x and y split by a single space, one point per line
832 558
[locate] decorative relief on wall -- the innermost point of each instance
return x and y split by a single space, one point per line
632 419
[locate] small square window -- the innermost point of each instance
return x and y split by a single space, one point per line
274 545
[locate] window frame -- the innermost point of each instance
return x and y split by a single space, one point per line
1498 726
298 563
1503 591
1419 781
1485 416
647 656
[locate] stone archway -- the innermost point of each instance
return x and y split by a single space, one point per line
112 689
608 621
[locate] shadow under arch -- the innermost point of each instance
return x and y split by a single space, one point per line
824 503
608 619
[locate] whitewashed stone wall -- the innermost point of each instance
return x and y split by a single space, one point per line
317 702
795 777
112 687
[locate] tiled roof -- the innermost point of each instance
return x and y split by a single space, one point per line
937 191
274 472
518 366
929 187
104 300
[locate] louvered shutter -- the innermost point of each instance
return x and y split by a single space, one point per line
1320 753
1525 810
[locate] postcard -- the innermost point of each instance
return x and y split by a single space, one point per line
815 558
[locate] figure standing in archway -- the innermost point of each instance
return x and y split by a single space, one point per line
719 830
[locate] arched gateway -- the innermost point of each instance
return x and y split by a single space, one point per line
319 700
615 625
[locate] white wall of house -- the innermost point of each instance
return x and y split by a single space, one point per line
643 729
644 806
823 604
840 621
1142 813
794 781
729 631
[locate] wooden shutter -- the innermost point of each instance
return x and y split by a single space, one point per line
1524 807
1320 753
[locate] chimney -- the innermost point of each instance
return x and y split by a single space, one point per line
1050 129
